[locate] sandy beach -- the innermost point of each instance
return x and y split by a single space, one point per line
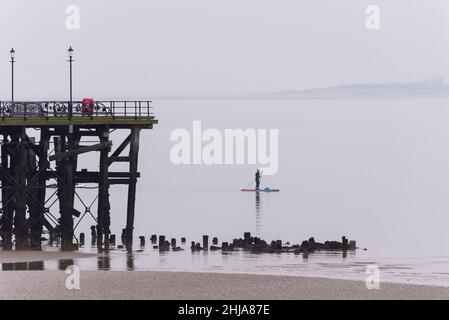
198 286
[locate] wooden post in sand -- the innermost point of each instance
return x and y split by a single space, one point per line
206 242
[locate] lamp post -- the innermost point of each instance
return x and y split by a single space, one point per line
71 100
12 52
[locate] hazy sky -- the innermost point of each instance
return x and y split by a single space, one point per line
141 48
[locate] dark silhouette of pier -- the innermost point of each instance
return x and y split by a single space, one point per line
39 175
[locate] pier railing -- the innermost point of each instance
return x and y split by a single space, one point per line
51 109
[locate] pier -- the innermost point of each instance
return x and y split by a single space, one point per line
41 143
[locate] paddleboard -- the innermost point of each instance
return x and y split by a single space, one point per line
261 190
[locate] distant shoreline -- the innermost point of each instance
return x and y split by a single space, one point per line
304 97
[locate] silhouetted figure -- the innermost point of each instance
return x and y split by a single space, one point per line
258 175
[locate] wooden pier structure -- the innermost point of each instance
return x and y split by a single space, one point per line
39 171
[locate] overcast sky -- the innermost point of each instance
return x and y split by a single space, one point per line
142 48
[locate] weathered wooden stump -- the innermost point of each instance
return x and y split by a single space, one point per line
352 245
224 246
164 246
205 242
345 243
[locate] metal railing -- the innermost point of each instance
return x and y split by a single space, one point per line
52 109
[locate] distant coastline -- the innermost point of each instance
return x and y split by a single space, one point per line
434 86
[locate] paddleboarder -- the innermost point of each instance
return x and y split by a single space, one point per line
258 176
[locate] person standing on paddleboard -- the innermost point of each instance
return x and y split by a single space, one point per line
258 176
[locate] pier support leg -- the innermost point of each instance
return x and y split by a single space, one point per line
65 191
60 183
67 214
6 224
33 204
38 213
133 158
104 207
20 223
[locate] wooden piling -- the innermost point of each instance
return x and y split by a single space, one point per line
206 242
345 243
34 223
20 223
82 239
352 245
6 223
133 162
64 168
93 235
104 207
51 238
123 236
39 219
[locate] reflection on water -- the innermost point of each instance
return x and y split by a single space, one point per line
104 262
64 263
23 266
258 215
130 260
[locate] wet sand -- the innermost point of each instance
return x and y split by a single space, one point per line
185 285
28 255
198 286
